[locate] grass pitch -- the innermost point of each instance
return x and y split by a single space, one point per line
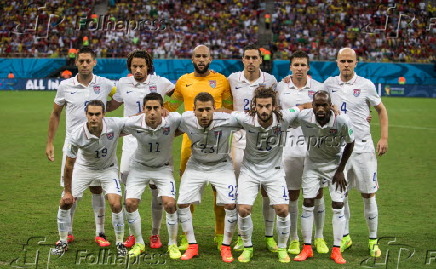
30 192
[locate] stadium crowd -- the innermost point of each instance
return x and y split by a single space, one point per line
400 32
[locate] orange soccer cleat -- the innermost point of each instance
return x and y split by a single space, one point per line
306 252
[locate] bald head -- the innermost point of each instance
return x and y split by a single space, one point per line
346 61
201 49
201 59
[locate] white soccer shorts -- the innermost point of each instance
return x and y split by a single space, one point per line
294 167
361 172
94 183
82 179
141 175
221 176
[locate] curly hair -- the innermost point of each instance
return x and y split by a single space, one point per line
141 54
263 92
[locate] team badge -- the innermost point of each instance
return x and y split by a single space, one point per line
212 83
333 131
218 133
277 130
110 136
153 88
96 89
356 92
310 93
166 130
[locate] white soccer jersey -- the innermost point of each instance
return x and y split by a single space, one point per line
355 98
93 152
209 145
75 96
154 145
289 96
243 93
325 142
132 94
264 149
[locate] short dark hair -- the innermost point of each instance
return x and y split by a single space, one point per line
204 97
323 93
87 50
299 54
252 47
153 96
95 103
264 92
143 54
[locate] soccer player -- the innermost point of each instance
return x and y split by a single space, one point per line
299 89
355 95
187 87
151 161
262 166
325 134
243 85
74 94
209 163
131 92
91 155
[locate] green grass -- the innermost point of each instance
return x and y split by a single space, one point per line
29 195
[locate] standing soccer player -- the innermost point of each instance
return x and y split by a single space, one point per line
151 161
74 94
91 155
355 95
131 91
324 165
209 163
299 89
243 85
262 166
187 87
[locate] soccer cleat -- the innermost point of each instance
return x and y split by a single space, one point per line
239 246
121 249
155 241
191 252
246 255
294 247
271 244
70 238
283 255
226 253
218 239
346 243
137 249
101 240
174 252
321 246
183 243
60 248
130 241
305 253
374 250
337 256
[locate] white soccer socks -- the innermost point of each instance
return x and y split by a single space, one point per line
269 216
319 215
245 226
283 227
156 212
185 219
99 207
293 215
134 220
307 224
338 222
172 227
118 224
371 215
230 222
64 223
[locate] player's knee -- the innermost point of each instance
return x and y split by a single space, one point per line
294 194
116 206
244 211
230 206
309 202
96 189
337 205
281 210
170 206
131 205
367 195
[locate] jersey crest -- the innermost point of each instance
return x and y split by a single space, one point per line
110 136
356 92
310 93
96 89
166 130
153 88
212 83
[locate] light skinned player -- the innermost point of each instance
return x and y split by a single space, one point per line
324 165
91 155
210 162
73 94
151 161
262 166
187 87
243 85
298 89
131 92
355 95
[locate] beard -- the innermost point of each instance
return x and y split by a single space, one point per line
264 117
205 69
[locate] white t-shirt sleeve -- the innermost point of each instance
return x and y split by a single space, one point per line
167 85
348 130
71 149
373 97
60 96
118 96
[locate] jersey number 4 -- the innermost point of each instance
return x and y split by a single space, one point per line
344 107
